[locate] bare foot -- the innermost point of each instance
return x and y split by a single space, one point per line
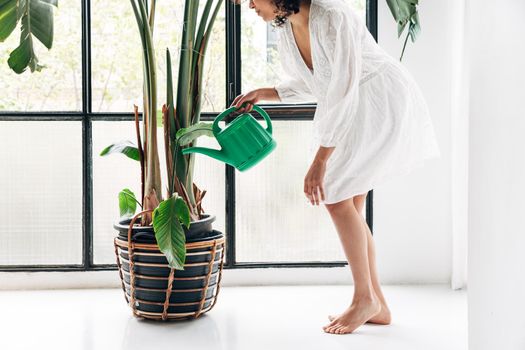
353 317
383 317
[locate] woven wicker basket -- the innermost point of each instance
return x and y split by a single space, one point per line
155 291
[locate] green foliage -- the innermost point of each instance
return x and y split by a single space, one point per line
186 135
167 219
36 18
405 12
175 211
125 147
127 203
196 33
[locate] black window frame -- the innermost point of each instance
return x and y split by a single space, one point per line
280 112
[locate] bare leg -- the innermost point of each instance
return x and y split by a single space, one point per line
353 237
384 316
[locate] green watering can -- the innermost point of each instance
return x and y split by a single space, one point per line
244 141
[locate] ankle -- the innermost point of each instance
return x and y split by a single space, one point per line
365 297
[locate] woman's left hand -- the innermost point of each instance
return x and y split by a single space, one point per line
313 182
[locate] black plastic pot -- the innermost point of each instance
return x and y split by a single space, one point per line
194 287
199 230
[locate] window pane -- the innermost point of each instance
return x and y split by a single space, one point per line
115 172
274 223
261 66
58 87
117 62
41 185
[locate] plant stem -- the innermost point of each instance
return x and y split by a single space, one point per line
404 45
141 152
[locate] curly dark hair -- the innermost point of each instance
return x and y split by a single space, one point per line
286 8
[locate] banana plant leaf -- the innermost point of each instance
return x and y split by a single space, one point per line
8 18
127 203
405 12
125 147
186 135
36 19
167 219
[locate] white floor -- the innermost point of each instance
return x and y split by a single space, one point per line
244 318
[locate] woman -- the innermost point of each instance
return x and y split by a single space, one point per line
371 125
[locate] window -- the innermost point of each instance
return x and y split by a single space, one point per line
60 197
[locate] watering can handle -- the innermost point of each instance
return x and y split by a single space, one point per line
217 129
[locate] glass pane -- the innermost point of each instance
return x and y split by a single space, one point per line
41 186
117 62
261 66
58 87
115 172
274 223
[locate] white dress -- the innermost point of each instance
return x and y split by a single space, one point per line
368 105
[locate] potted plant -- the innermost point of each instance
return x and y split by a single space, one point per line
36 19
169 257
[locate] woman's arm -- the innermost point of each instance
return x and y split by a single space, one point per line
323 153
253 97
313 181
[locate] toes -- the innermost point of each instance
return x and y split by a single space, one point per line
343 330
327 328
331 329
337 329
334 321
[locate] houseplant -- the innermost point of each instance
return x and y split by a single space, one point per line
148 253
36 21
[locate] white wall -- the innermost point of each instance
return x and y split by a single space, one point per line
412 215
496 285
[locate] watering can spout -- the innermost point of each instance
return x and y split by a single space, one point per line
216 154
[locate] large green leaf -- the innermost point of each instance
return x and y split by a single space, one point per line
127 203
8 18
187 135
24 56
41 21
169 233
36 18
125 147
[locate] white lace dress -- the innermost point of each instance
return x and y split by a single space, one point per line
368 105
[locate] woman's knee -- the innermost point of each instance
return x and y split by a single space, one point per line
359 202
344 205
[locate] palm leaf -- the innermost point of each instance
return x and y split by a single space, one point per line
125 147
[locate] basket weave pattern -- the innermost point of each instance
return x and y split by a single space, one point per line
134 272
